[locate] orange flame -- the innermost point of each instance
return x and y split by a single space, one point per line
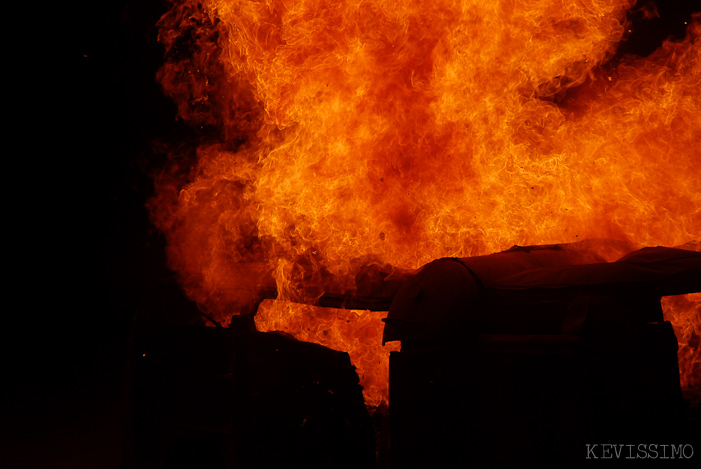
357 332
357 132
684 312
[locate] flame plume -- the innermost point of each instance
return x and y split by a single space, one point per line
351 133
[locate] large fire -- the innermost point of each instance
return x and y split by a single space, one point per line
346 134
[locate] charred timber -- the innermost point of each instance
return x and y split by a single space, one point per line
523 357
231 398
535 290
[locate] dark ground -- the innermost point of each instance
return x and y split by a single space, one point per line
96 261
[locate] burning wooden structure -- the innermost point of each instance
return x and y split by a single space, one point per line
342 146
523 356
526 356
335 139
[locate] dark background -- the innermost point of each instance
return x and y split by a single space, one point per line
90 260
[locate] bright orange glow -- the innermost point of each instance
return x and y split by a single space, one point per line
351 133
357 332
684 312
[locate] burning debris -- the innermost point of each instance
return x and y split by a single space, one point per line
346 152
524 357
341 135
551 290
356 331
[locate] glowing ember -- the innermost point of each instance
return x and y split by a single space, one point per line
356 132
357 332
